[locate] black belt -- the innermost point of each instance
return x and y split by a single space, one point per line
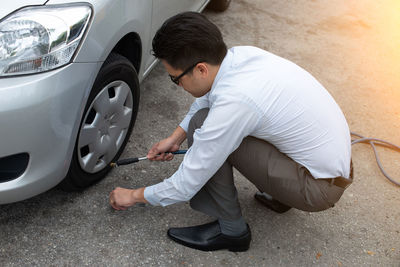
340 181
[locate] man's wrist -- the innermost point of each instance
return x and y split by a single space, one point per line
138 195
178 136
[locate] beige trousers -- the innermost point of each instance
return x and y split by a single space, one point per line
269 170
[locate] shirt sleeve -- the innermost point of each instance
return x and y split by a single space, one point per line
200 103
227 123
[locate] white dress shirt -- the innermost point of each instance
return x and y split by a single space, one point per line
259 94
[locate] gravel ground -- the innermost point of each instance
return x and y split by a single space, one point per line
352 47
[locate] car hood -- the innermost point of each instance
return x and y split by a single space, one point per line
8 7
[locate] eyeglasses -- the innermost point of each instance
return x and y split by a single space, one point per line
176 79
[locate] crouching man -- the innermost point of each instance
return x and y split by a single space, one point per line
257 112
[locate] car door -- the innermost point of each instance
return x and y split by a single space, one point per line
162 10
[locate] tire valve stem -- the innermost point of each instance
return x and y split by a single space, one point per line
133 160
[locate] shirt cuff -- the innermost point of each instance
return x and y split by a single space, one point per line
149 196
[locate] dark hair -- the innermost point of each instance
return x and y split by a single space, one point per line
188 38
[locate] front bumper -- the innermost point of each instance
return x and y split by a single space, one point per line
40 115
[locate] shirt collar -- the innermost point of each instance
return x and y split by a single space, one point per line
225 66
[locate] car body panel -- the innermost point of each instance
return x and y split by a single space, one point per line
117 18
11 6
40 114
38 124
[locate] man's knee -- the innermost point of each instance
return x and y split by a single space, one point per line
196 122
198 118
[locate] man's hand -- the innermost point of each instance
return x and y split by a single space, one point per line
122 198
170 144
157 151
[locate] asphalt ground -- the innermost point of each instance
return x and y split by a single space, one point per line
352 47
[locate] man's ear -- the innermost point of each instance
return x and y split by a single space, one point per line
203 69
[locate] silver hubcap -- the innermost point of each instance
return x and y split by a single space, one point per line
105 126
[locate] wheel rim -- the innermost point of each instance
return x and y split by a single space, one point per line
105 126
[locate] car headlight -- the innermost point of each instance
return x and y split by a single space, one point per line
37 39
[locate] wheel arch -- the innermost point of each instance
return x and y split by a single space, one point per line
130 46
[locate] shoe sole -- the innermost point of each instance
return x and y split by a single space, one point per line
232 249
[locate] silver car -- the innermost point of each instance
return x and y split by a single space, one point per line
69 86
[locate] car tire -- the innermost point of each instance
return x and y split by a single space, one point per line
107 123
219 5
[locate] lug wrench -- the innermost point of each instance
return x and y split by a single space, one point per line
133 160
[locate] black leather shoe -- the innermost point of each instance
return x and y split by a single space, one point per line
208 237
271 203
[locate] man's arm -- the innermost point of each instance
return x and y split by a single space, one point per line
228 122
122 198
